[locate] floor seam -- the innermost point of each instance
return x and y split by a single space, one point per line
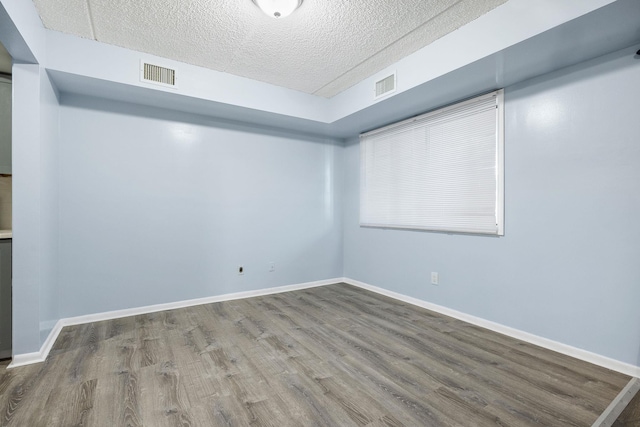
617 405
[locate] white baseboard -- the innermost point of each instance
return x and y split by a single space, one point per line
40 356
578 353
596 359
25 359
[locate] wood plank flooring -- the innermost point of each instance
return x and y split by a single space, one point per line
329 356
630 417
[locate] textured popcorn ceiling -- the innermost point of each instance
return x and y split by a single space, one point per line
323 48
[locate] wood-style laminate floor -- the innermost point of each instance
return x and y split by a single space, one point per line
328 356
630 417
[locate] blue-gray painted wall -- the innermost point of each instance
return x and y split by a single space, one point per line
26 200
35 197
568 265
49 211
158 206
566 268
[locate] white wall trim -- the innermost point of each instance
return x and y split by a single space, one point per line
568 350
25 359
618 405
587 356
40 356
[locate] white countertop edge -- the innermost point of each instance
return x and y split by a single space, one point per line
6 234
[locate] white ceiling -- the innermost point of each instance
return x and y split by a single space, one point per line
323 48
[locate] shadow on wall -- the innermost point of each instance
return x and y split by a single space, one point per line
145 111
573 74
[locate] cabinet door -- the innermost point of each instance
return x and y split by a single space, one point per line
5 126
5 298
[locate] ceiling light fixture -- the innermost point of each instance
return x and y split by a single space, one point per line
278 8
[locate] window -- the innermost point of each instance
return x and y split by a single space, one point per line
440 171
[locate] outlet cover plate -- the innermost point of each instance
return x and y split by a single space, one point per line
435 278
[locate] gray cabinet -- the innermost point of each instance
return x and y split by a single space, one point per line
5 298
5 126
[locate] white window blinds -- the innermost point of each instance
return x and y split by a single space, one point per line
440 171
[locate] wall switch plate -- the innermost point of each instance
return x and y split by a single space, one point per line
272 267
435 279
240 270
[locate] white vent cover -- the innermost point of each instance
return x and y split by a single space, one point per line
385 86
157 74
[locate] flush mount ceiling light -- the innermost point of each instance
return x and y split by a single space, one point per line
278 8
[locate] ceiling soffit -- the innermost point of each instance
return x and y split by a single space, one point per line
324 48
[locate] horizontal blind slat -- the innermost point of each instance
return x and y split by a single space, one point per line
437 171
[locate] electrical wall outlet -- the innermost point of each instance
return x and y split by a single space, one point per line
435 278
240 270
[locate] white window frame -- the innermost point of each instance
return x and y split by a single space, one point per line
367 171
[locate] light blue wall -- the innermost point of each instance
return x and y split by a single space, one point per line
568 266
35 208
26 215
49 211
133 206
159 206
34 134
21 31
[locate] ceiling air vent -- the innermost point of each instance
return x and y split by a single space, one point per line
385 86
158 75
